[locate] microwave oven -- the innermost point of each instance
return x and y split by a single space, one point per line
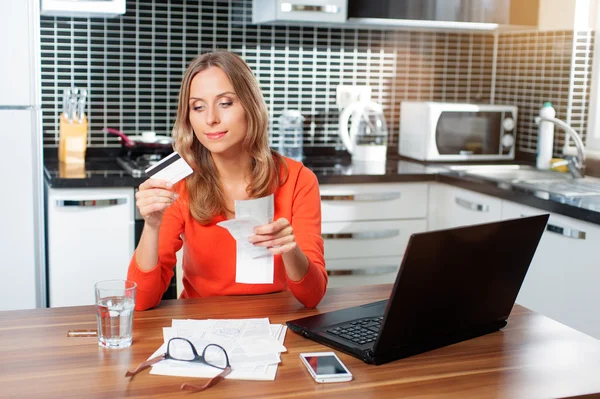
436 131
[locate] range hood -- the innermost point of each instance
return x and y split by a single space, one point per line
402 14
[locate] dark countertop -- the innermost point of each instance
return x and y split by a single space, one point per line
105 172
102 171
97 172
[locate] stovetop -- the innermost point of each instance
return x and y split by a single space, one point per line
136 166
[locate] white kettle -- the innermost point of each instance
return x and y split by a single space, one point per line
366 138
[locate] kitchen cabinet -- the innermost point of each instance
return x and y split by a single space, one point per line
452 206
504 12
83 8
366 228
446 14
18 30
564 276
90 237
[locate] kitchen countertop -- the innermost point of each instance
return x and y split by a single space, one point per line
97 172
105 172
101 172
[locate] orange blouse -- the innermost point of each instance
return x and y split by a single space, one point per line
209 253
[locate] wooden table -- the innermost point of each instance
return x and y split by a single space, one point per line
532 357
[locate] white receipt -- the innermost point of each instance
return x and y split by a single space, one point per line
241 229
254 265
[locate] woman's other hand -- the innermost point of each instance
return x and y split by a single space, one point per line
277 237
152 198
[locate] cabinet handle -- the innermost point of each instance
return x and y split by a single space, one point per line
564 231
363 272
328 9
472 206
362 235
361 197
90 203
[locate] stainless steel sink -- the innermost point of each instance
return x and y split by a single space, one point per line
510 173
587 186
534 179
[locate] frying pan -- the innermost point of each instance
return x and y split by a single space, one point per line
147 140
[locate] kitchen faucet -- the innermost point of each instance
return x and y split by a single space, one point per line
575 164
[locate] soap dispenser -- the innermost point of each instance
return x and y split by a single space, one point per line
545 144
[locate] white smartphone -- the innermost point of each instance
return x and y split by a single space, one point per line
325 367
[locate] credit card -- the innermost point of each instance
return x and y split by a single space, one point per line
172 168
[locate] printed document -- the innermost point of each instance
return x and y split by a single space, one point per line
252 345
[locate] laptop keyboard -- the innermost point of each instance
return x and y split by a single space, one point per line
361 331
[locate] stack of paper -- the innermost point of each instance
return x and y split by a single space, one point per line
253 346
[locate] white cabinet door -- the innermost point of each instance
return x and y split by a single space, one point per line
452 206
21 232
19 24
381 201
563 281
90 238
347 240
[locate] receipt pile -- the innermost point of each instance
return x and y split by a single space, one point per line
254 347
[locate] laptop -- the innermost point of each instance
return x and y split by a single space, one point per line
452 285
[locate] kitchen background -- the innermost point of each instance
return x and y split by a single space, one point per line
133 64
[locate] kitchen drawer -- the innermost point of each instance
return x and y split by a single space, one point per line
382 201
451 206
347 240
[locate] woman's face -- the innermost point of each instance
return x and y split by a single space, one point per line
216 114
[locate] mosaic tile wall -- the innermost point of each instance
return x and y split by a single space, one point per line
535 67
132 66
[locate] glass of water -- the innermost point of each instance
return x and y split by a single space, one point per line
291 136
115 300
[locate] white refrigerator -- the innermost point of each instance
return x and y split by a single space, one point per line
22 260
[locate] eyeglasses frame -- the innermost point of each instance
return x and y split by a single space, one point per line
197 358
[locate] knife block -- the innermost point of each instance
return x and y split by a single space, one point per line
71 170
72 141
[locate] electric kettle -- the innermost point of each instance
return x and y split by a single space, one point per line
366 138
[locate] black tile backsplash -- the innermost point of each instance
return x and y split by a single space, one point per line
133 64
535 67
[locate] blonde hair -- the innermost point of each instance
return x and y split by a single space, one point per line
206 196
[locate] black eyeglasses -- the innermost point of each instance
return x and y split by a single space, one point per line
182 349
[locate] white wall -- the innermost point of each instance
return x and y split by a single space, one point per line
567 15
556 14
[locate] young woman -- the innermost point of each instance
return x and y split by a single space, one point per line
221 131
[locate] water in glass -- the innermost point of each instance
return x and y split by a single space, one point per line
291 135
115 321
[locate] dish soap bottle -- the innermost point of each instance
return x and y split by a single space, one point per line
545 137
